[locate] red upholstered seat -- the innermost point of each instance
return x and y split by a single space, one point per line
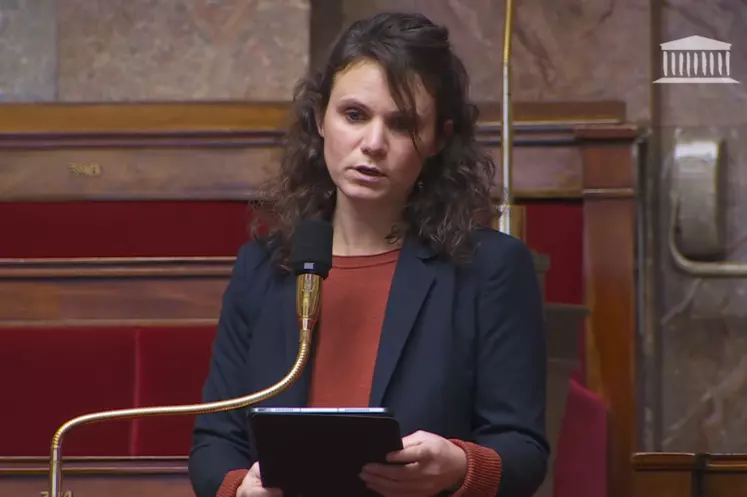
51 375
556 229
172 364
581 462
116 367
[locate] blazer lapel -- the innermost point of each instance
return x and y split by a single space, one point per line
410 286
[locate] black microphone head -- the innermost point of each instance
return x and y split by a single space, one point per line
311 248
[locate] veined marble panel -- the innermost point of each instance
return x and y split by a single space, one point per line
135 50
562 50
703 321
28 53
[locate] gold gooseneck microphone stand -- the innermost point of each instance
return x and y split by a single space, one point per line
307 307
511 221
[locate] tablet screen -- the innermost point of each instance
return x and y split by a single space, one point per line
320 452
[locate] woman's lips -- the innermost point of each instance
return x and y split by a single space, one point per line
369 171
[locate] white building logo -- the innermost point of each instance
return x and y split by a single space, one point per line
696 59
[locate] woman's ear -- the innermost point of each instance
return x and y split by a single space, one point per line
319 122
448 130
446 133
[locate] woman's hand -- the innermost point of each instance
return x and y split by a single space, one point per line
251 486
427 465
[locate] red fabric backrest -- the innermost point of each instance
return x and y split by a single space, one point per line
123 229
172 364
556 229
581 462
51 375
114 367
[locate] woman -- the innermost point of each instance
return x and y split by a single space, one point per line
424 310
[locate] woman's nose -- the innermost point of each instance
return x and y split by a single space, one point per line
374 141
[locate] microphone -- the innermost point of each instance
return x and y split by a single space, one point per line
311 260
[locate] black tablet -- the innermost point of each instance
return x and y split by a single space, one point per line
313 452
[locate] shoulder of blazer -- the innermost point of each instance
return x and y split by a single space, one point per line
496 251
251 256
254 261
253 276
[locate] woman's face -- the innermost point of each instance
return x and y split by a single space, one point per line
367 143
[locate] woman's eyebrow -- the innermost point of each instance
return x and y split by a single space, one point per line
396 113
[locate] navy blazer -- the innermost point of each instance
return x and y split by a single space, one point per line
462 354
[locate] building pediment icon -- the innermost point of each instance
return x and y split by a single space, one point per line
696 59
695 42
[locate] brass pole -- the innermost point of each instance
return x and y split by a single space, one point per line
512 219
306 307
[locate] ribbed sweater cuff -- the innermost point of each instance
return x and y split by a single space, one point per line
231 483
484 469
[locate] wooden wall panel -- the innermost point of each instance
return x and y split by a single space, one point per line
221 117
222 151
151 292
98 477
128 171
133 302
610 259
224 169
689 475
95 292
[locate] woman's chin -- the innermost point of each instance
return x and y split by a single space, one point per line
362 193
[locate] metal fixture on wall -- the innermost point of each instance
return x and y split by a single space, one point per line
697 233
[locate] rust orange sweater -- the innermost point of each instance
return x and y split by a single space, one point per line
359 286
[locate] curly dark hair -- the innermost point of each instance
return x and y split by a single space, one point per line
453 196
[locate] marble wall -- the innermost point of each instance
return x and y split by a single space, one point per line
117 50
562 50
694 365
702 345
135 50
28 50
